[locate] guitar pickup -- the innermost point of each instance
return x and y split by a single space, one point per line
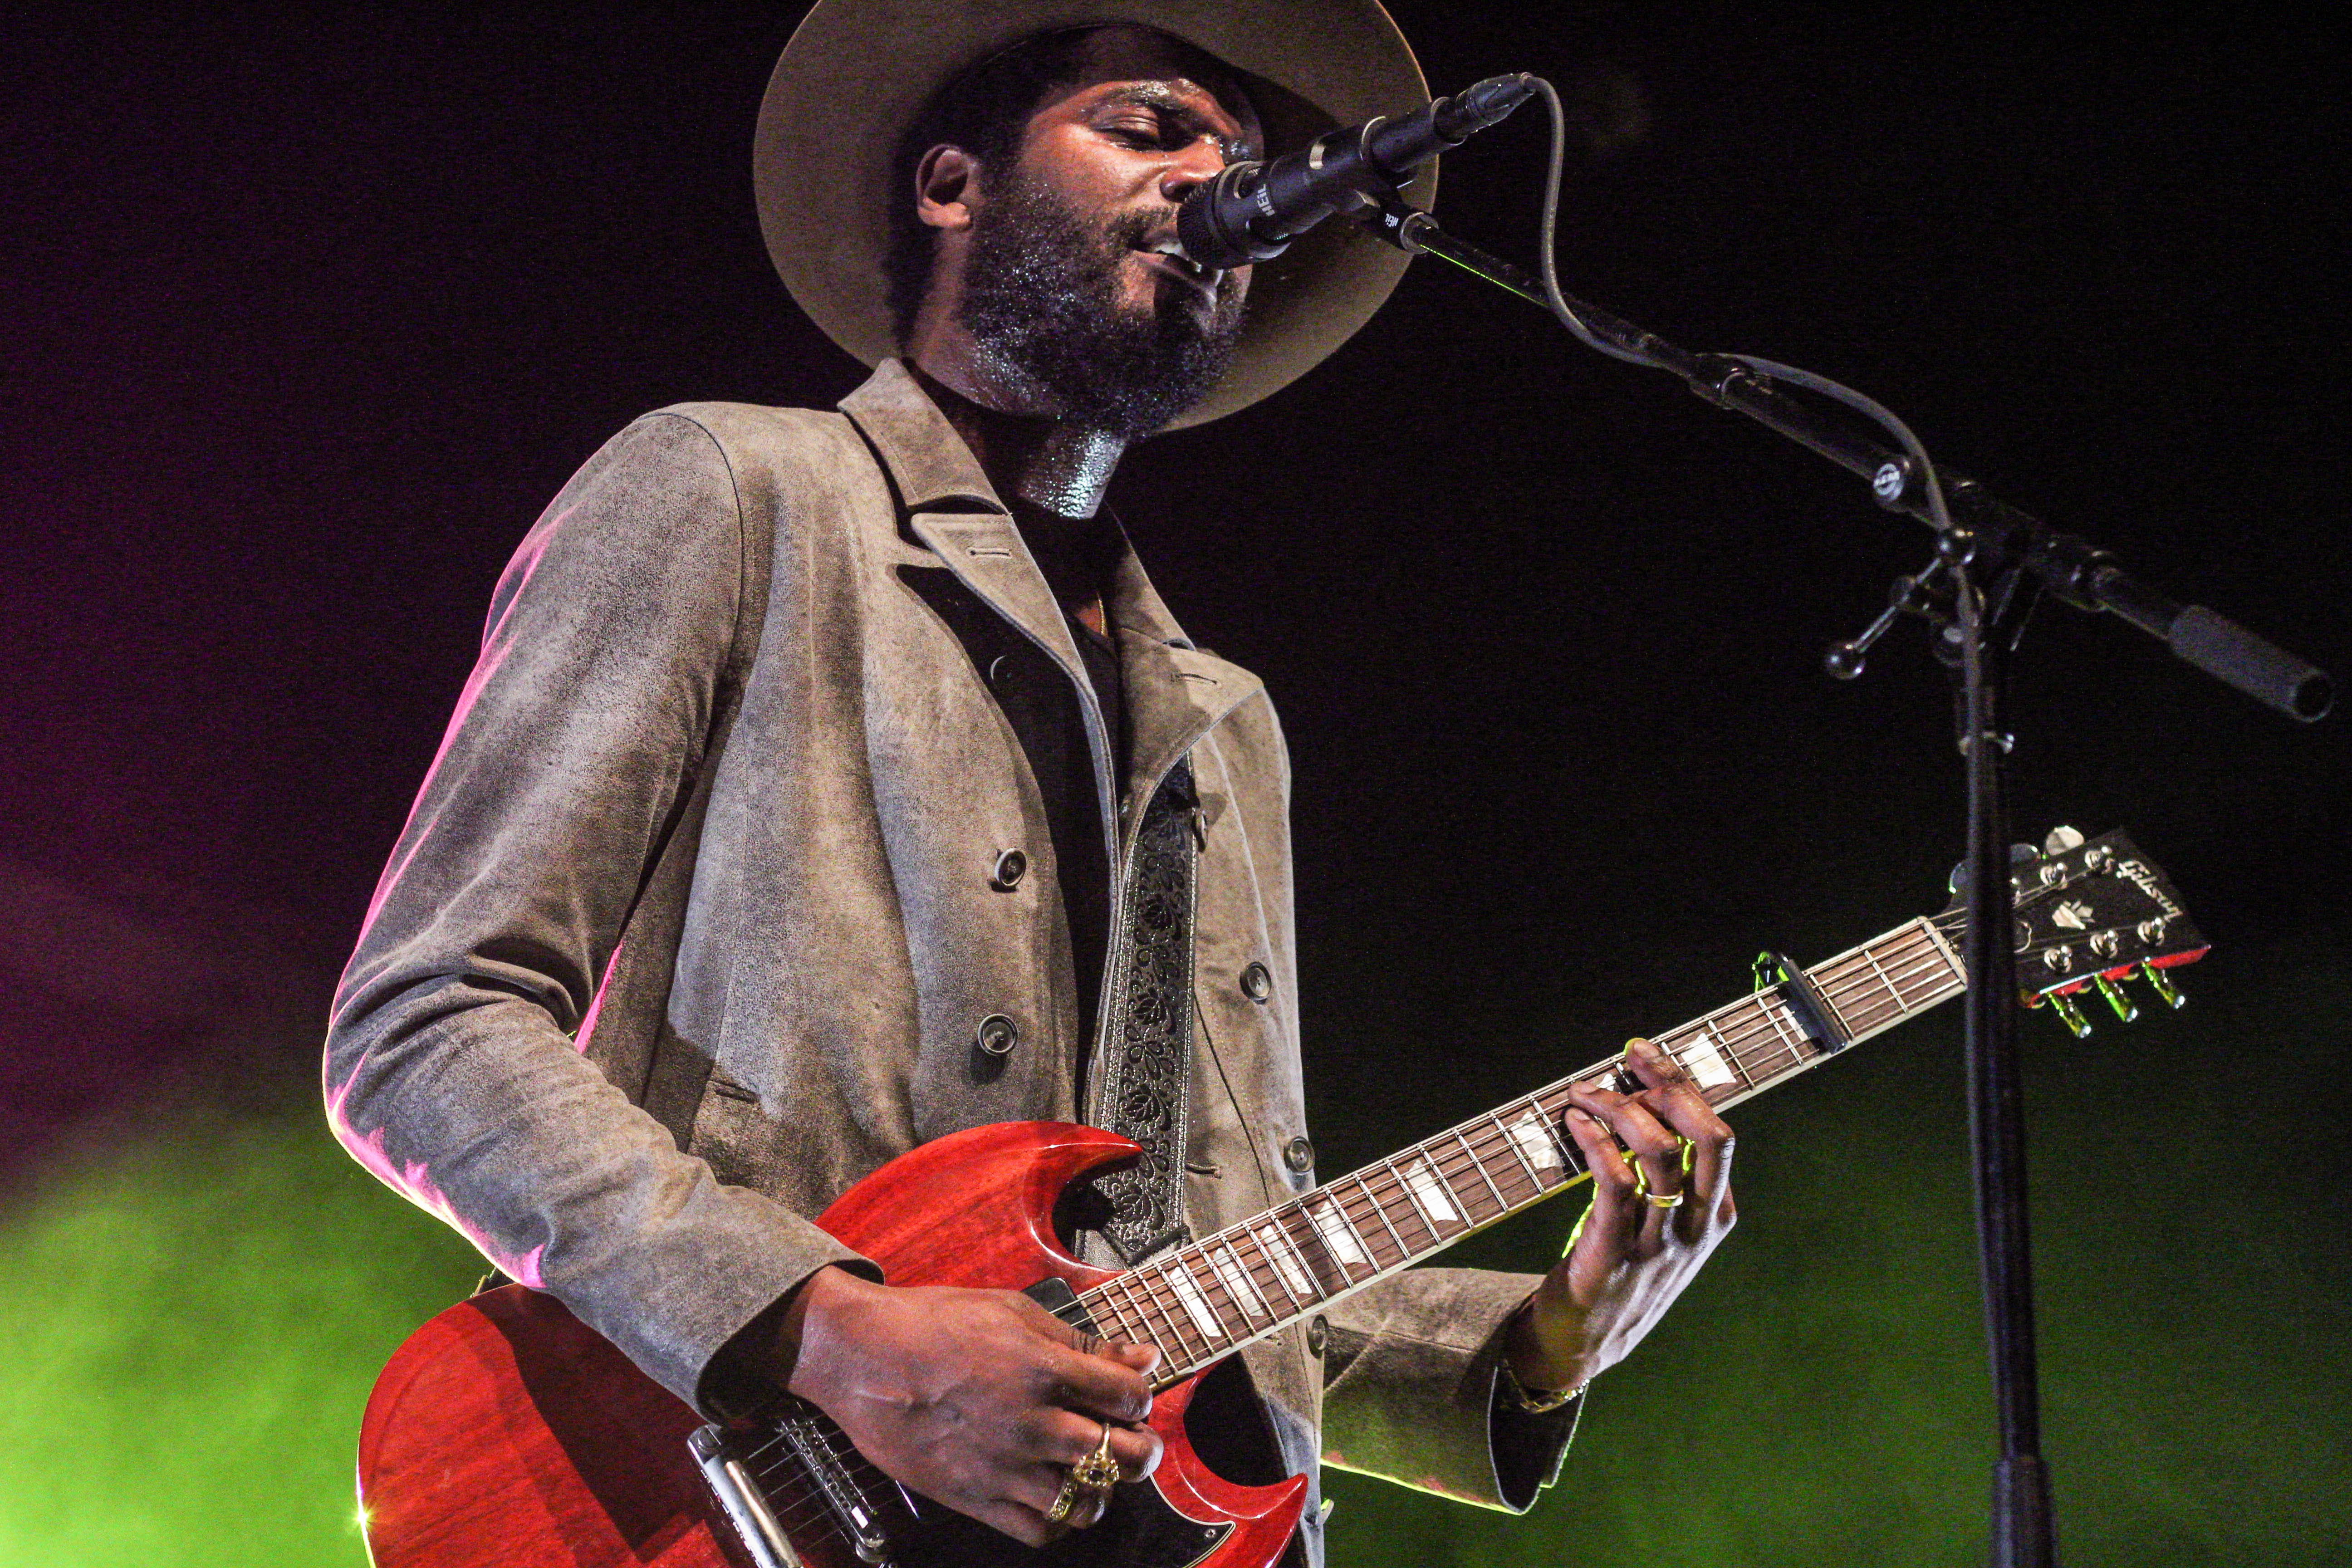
1054 1293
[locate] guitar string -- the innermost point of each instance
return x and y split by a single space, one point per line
1842 980
1848 976
1381 1188
810 1505
1865 976
1385 1193
864 1478
1864 988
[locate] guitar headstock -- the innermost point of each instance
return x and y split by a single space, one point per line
2089 915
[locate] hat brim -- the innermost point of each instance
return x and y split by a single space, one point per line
856 71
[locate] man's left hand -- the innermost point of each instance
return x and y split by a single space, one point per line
1637 1249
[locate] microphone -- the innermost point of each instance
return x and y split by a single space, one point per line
1252 211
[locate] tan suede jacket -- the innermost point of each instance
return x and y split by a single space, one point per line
716 712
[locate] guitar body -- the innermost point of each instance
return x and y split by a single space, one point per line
506 1434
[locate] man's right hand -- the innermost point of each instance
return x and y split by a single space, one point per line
979 1399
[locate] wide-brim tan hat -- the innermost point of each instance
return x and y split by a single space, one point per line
856 71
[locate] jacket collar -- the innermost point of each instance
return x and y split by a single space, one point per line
1175 691
926 458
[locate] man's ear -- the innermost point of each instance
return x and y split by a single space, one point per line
947 183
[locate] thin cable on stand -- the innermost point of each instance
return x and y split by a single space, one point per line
1642 349
2023 1532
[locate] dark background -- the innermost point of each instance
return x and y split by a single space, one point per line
307 315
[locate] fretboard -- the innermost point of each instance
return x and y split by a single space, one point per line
1205 1299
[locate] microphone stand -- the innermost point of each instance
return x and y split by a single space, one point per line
1991 562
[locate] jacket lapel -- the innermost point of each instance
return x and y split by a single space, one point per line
954 511
1175 693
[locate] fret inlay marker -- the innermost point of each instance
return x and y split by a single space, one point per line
1337 1239
1705 1063
1285 1261
1533 1136
1238 1284
1189 1292
1435 1201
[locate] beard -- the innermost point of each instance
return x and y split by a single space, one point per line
1040 299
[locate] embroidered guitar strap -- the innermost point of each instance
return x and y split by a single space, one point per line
1146 1085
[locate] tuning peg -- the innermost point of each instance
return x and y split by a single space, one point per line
2062 840
2163 986
2019 855
2070 1015
2125 1008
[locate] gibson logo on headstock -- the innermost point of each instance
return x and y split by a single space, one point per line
2145 880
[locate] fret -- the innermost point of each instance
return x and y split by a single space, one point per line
1886 979
1436 1199
1959 972
1792 1037
1897 967
1219 1293
1238 1283
1837 1014
1184 1341
1289 1266
1551 1107
1894 993
1341 1242
1536 1145
1201 1268
1134 1323
1534 1183
1188 1291
1477 1163
1952 979
1704 1060
1380 1213
1734 1029
1110 1317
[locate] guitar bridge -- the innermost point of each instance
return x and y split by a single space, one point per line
728 1468
803 1432
743 1499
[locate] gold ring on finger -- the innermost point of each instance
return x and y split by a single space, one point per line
1067 1497
1098 1469
1655 1200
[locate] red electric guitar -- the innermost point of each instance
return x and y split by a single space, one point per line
505 1434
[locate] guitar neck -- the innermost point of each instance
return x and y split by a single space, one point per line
1210 1297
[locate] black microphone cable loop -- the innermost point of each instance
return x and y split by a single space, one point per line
1637 354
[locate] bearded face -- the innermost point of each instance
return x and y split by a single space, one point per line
1050 300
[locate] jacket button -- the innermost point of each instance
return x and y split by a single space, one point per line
997 1035
1319 1334
1011 867
1257 983
1300 1155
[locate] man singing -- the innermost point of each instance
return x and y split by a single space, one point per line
832 782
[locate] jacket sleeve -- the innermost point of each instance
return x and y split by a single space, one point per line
1411 1369
451 1069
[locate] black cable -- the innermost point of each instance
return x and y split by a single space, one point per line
1771 370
